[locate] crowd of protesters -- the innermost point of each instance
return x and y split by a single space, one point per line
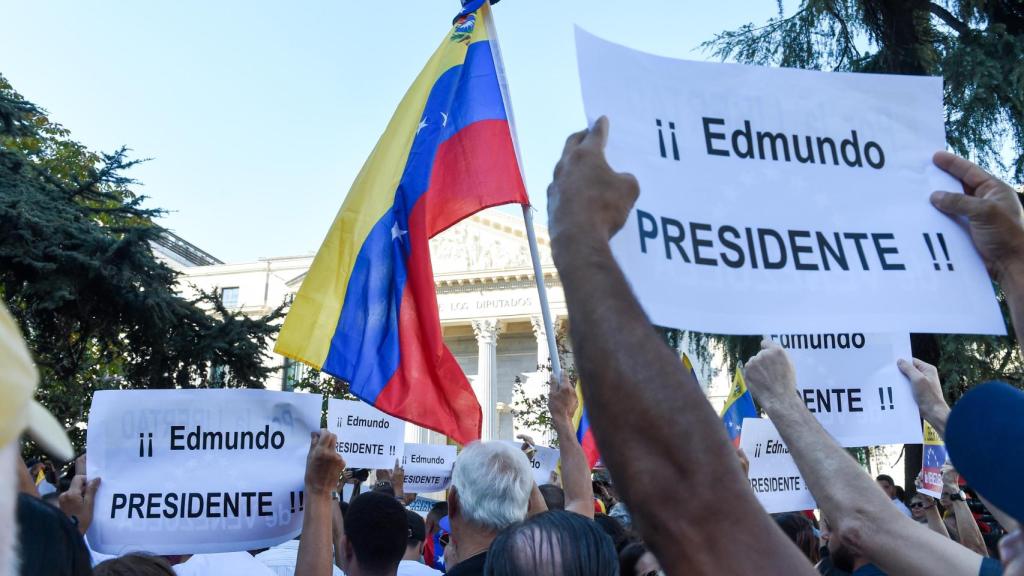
674 498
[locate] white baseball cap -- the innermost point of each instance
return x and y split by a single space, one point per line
19 411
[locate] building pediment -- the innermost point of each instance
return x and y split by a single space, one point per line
489 240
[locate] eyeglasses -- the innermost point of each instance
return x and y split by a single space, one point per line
655 573
916 505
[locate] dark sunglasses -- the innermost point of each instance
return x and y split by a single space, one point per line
916 505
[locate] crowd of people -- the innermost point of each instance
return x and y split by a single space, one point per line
674 498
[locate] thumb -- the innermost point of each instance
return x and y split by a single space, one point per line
909 370
597 136
955 204
91 488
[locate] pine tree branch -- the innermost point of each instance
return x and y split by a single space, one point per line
952 21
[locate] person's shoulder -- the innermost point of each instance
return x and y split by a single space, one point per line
470 567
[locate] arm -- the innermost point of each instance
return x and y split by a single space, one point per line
860 514
966 526
647 412
323 467
337 530
579 490
996 221
537 503
935 523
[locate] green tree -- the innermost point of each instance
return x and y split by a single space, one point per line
98 309
977 47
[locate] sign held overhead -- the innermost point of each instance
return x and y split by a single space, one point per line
784 199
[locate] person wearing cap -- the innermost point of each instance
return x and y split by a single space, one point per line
985 426
412 564
50 542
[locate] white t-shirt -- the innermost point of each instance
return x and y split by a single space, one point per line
413 568
226 564
281 559
902 507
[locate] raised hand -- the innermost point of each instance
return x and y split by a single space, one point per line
924 381
992 208
770 375
587 196
79 500
323 464
562 401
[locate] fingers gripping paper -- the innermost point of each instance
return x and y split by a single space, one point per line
198 471
783 199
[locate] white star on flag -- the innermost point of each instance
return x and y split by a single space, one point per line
423 124
444 119
397 232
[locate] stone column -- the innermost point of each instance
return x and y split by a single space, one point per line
484 384
543 354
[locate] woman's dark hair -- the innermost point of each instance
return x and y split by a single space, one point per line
615 530
555 543
134 565
630 556
801 532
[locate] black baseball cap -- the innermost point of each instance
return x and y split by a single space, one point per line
417 528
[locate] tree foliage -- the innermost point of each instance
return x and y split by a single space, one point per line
99 310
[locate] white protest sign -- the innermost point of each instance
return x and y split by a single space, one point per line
367 437
198 471
784 199
428 467
543 463
851 383
773 474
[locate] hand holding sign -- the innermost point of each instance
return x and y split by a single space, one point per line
991 207
924 380
80 499
587 196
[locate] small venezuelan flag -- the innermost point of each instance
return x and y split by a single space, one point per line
367 309
584 434
739 405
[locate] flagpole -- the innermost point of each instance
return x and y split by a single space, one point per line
531 235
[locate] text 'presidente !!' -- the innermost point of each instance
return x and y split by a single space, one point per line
706 244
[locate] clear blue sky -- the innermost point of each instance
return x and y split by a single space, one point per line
259 114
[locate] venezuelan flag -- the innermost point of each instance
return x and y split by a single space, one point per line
584 434
367 309
739 405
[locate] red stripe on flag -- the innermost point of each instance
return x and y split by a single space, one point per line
473 170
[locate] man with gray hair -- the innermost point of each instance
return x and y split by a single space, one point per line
491 488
